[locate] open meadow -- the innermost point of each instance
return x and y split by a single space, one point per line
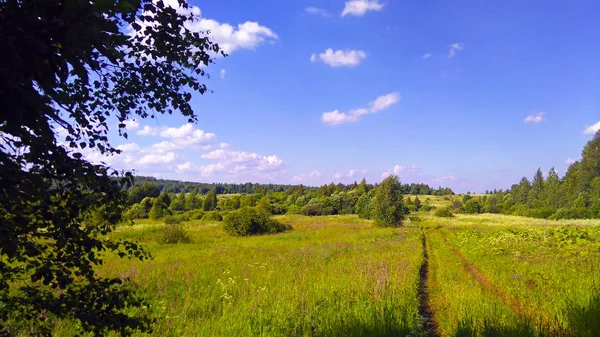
476 275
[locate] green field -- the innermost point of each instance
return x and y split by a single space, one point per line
489 275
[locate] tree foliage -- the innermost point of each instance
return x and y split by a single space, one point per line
388 207
70 69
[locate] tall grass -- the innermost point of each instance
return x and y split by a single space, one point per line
331 276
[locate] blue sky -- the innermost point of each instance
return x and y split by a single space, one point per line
467 94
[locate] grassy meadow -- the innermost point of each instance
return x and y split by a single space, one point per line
489 275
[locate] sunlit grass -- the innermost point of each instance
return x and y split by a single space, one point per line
330 276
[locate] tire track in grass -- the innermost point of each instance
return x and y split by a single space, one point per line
425 311
486 284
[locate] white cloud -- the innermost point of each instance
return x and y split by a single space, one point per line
380 103
131 124
571 161
247 35
148 131
129 147
184 136
443 179
592 129
400 170
154 159
535 118
360 7
383 102
340 58
222 73
426 56
302 177
317 11
350 174
239 162
223 145
454 48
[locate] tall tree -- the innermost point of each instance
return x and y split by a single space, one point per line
69 69
210 202
388 206
535 195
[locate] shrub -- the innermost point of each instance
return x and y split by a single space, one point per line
212 216
252 221
427 207
571 213
195 214
172 220
472 206
444 213
415 218
314 209
294 209
172 234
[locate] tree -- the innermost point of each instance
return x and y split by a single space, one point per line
178 205
159 210
70 69
534 197
473 206
210 203
417 204
388 207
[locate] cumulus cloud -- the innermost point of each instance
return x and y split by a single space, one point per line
180 137
350 174
247 35
131 124
222 73
380 103
316 11
361 7
455 47
240 162
592 129
534 118
443 179
157 158
340 58
400 170
303 177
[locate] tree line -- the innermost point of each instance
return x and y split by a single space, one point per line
576 195
148 200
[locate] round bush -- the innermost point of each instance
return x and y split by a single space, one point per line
212 216
250 221
444 213
172 234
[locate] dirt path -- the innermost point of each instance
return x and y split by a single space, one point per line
485 283
425 311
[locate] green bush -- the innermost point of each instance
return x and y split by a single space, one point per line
444 213
472 206
571 213
315 209
212 216
172 220
172 234
195 214
294 209
428 207
251 221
